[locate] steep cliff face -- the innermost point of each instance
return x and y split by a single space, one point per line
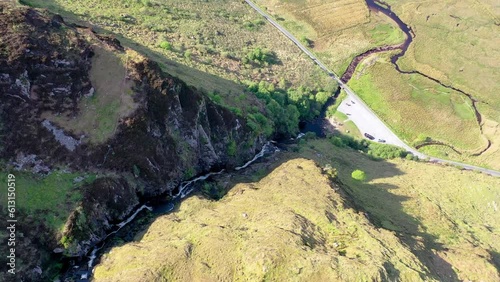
175 134
168 131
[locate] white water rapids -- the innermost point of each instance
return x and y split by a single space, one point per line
185 188
120 225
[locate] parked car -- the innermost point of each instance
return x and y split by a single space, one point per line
369 136
381 140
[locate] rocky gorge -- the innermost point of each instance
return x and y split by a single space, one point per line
172 132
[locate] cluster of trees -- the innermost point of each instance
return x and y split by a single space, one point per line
260 124
373 149
287 108
260 56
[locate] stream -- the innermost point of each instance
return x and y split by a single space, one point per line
380 6
319 124
80 269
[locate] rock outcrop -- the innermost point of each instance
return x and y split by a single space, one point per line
173 133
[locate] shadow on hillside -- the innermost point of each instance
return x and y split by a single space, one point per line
495 259
385 209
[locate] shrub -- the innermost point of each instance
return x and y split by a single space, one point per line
166 45
310 136
261 56
358 175
353 143
330 111
147 3
260 124
213 191
231 148
66 241
189 173
137 171
236 111
306 41
322 97
386 151
337 142
421 139
330 171
253 26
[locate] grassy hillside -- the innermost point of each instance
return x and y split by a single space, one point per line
51 198
110 99
416 222
203 43
448 217
289 226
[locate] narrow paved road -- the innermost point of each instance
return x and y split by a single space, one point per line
364 118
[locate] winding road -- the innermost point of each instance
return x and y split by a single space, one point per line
364 118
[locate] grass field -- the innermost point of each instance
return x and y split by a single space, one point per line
413 105
458 44
207 40
339 30
112 98
344 125
50 198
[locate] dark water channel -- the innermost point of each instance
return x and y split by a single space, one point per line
384 8
80 268
319 124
